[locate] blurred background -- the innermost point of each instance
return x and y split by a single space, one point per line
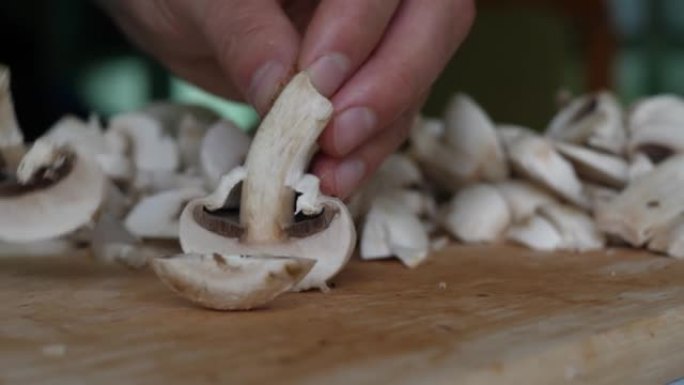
68 57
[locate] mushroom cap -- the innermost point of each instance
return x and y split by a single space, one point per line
536 233
223 148
523 198
477 214
39 211
331 248
594 166
156 216
576 228
230 282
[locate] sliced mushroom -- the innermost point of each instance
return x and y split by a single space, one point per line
536 233
391 229
594 166
523 198
231 282
11 138
599 195
477 214
536 159
657 142
669 239
594 120
223 148
509 133
640 164
660 110
577 229
110 242
265 222
88 138
55 192
647 203
156 216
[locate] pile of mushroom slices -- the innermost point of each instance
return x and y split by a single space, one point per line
111 189
599 176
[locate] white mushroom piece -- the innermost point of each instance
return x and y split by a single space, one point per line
647 205
466 150
11 138
536 159
477 214
223 147
55 192
594 166
594 120
264 228
656 127
157 216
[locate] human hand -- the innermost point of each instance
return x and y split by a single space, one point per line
376 60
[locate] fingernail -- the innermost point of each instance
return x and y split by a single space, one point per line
349 174
328 72
352 126
265 83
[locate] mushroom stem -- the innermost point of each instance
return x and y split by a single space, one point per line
287 134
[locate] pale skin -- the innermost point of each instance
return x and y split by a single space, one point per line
375 60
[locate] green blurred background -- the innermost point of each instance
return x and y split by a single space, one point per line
68 57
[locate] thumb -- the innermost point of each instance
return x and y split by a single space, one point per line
255 44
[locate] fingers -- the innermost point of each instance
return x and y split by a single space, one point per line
416 47
255 43
340 37
341 177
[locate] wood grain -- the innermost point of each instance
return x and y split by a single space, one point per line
471 315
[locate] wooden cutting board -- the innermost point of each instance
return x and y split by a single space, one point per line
471 315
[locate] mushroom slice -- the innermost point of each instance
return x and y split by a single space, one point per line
223 148
110 242
536 159
523 198
577 229
265 222
231 282
660 110
657 141
641 164
599 195
56 192
649 202
156 216
392 230
536 233
11 138
594 166
153 148
477 214
509 133
669 239
471 135
594 120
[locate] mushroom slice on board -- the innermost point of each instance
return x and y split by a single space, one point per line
648 203
657 142
669 239
223 148
391 229
110 242
11 138
660 110
577 229
55 192
156 216
599 195
523 198
639 165
477 214
231 282
265 222
594 166
536 159
594 120
536 233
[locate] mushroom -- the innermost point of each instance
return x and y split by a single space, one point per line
55 192
231 282
223 148
594 166
669 239
640 164
391 229
110 242
599 195
265 221
477 214
466 149
660 110
536 159
648 203
508 133
523 198
577 229
156 216
535 232
594 120
11 138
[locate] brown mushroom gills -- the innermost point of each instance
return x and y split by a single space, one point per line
47 177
